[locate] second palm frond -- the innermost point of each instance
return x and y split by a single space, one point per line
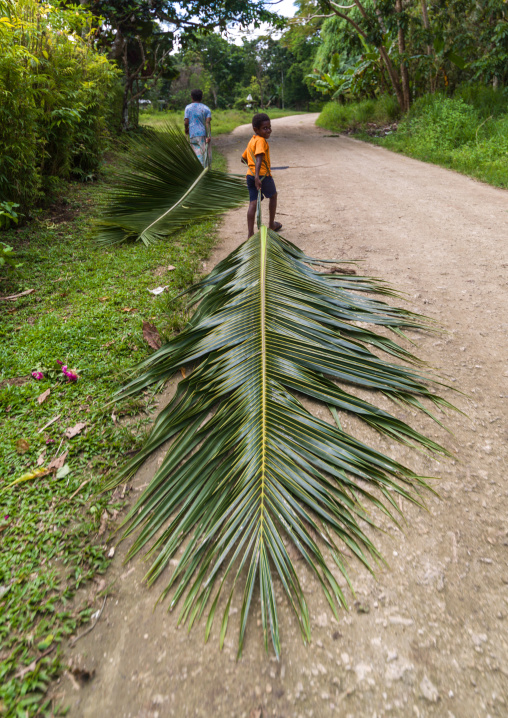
164 187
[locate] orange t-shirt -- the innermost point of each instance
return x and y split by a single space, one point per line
257 146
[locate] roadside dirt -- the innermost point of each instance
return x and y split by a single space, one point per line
429 637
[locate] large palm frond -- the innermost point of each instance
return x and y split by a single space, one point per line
164 187
250 470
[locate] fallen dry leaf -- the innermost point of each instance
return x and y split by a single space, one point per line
105 518
41 458
128 309
103 299
182 371
104 522
58 462
170 267
75 430
74 682
101 583
43 396
340 270
22 446
151 335
13 297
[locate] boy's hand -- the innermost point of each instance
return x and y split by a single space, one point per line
257 182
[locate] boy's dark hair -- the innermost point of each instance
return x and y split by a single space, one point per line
258 119
196 95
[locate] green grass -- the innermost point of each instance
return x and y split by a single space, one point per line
356 116
467 133
458 134
223 121
86 310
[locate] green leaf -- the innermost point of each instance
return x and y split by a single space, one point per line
163 188
438 44
250 471
456 59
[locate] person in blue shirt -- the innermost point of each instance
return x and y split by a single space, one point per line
197 120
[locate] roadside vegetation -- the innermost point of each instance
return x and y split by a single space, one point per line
428 80
357 116
467 132
58 96
84 310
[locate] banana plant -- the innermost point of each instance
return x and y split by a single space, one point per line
252 479
162 188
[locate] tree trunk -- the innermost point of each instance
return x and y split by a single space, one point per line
404 74
127 92
394 79
430 49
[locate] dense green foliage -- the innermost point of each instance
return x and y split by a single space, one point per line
141 35
468 133
272 72
357 115
86 310
57 96
407 49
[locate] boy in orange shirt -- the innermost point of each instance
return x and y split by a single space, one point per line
259 176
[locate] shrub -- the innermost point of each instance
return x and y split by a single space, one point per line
356 115
54 99
469 136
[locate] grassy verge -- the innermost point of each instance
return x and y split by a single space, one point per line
467 133
222 120
358 116
86 310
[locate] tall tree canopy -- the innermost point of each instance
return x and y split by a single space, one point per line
406 47
140 34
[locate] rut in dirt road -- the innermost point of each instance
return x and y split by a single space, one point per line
429 637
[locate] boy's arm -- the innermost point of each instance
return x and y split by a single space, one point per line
259 162
186 124
208 123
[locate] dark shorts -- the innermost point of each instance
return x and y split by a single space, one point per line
267 188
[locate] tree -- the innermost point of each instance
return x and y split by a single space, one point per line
140 34
419 47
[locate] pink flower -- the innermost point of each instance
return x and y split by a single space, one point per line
37 375
50 441
69 374
59 362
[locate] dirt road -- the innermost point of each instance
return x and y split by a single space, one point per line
430 636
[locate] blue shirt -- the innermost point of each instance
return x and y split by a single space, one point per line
197 114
